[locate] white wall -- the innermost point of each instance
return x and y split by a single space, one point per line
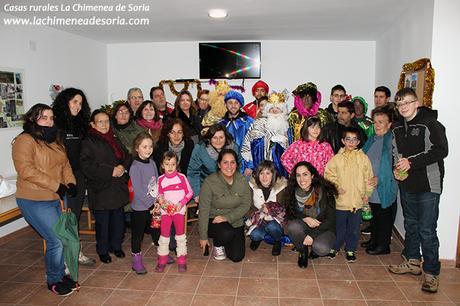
59 58
285 64
446 26
407 40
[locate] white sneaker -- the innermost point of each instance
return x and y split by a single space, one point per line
219 253
85 260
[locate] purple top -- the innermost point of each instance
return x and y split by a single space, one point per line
144 176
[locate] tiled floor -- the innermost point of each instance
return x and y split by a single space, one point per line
259 280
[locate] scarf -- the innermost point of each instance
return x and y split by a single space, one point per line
151 125
177 149
303 110
49 134
109 138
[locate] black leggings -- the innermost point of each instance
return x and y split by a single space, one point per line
140 223
223 234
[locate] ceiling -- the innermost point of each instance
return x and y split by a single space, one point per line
183 20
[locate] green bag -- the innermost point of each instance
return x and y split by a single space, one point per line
67 231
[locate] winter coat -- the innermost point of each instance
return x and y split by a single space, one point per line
275 192
127 134
314 152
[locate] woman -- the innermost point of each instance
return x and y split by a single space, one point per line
44 176
105 163
184 109
72 112
267 188
204 156
174 137
123 125
383 200
310 205
225 198
148 119
202 104
311 148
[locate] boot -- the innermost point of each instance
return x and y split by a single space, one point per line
276 250
254 244
182 264
138 266
161 265
303 258
411 266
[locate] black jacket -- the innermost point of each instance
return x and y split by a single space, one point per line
162 147
423 141
97 161
332 133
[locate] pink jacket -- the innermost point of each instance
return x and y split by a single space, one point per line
314 152
176 189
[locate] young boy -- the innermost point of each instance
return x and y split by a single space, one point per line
419 148
351 171
338 94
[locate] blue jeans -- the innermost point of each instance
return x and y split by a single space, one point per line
421 211
347 229
42 216
272 228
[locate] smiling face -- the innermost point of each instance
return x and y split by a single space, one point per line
218 140
46 118
185 103
169 165
228 165
122 115
176 136
135 99
407 107
101 123
266 177
233 106
303 178
148 112
75 105
351 141
314 131
381 124
203 101
145 148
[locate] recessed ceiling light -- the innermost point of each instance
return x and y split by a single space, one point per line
217 13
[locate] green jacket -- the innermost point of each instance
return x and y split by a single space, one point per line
128 134
218 198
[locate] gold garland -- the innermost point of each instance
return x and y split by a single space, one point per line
423 63
173 89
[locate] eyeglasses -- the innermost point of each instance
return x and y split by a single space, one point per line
402 104
351 139
102 122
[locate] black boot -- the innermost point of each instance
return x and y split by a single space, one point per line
254 245
303 258
276 250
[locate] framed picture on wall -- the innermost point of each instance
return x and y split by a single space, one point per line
419 76
11 98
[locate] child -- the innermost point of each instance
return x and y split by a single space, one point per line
174 192
351 171
144 174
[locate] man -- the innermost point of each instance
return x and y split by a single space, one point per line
363 121
236 121
333 131
382 96
157 95
419 148
338 94
135 98
267 136
259 91
307 100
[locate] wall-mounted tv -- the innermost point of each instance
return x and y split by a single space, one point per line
230 60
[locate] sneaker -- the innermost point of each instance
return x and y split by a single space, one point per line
85 260
366 230
60 289
255 244
73 285
332 254
411 266
350 256
430 283
219 253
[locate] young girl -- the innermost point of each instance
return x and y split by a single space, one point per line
174 192
144 175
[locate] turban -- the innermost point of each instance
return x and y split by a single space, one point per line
259 84
234 95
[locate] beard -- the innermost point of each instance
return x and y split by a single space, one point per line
277 123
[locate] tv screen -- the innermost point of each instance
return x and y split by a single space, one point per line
230 60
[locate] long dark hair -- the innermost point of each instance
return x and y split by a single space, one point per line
156 117
167 128
177 108
213 129
265 165
227 151
63 119
116 108
317 183
307 123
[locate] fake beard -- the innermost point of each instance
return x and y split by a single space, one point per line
277 123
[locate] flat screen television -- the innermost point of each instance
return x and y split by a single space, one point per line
230 60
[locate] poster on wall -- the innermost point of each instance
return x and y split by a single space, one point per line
11 98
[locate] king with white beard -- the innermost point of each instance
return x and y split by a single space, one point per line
267 138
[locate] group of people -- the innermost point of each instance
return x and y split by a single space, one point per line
254 169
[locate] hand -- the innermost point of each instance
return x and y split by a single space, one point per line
365 199
178 206
62 190
373 181
156 209
118 171
265 209
312 222
403 164
161 199
308 240
204 243
247 172
341 190
197 199
72 192
219 219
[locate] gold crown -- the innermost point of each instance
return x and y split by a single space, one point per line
222 87
277 98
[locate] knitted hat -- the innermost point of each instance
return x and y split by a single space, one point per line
259 84
232 94
362 101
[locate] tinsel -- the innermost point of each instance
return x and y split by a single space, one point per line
213 82
423 63
173 89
